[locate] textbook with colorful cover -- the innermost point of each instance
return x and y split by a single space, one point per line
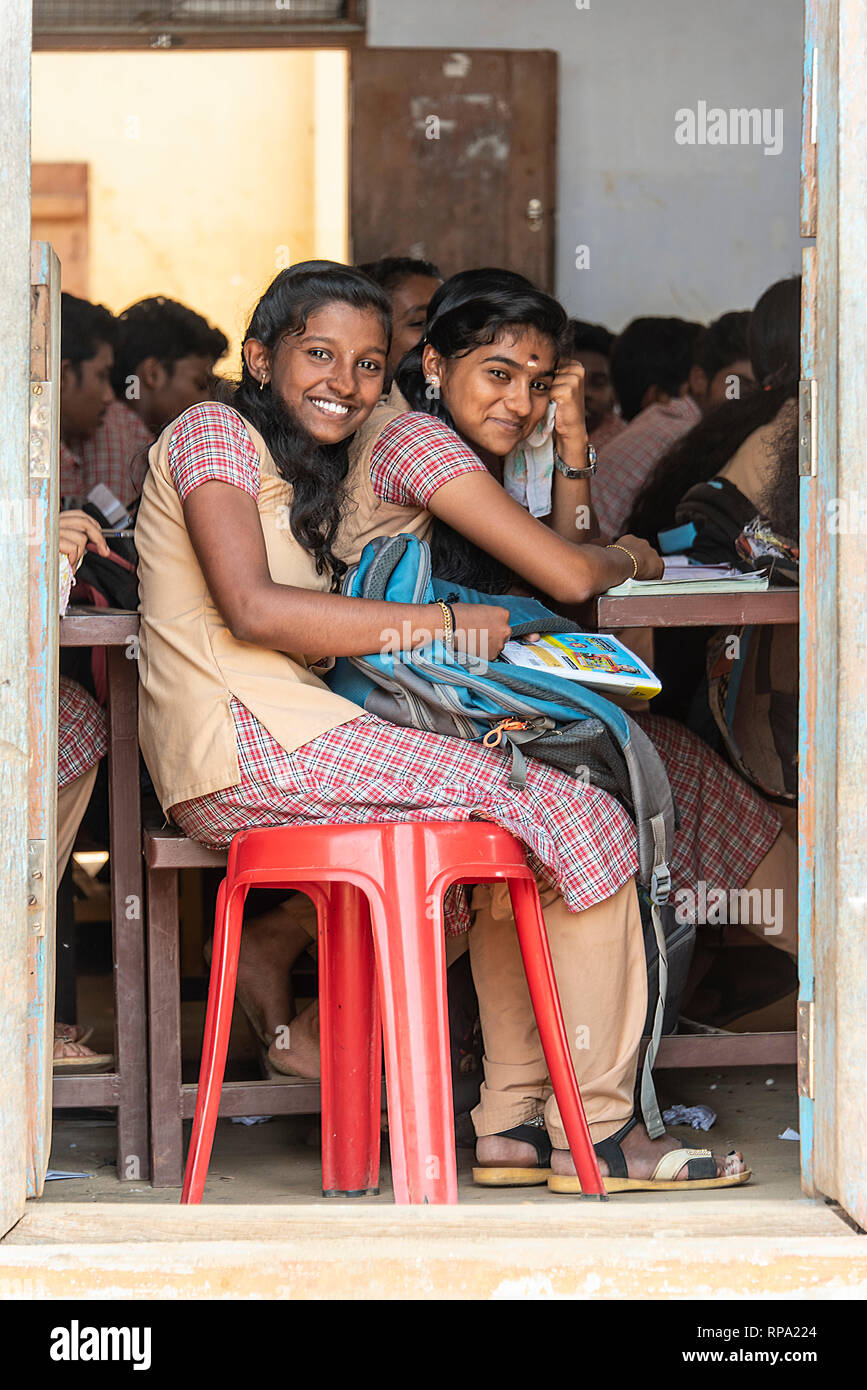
593 658
682 577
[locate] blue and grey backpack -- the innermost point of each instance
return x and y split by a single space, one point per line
518 710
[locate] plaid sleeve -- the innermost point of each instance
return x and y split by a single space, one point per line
414 456
209 444
117 452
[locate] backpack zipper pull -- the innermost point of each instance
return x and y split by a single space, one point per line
494 737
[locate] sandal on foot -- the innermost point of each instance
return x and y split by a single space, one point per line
700 1167
533 1132
80 1062
72 1032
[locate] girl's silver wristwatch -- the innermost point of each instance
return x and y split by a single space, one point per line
577 472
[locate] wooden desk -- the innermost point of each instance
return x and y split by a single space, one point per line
125 1089
777 605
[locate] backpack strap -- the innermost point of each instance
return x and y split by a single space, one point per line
660 887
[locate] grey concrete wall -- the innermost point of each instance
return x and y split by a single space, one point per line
671 228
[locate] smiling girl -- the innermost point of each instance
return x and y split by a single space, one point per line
249 515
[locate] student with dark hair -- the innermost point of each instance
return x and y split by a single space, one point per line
724 474
730 442
87 336
164 359
495 408
591 346
163 362
721 368
650 362
410 285
239 730
650 366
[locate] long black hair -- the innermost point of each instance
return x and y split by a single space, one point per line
316 472
470 310
774 350
780 501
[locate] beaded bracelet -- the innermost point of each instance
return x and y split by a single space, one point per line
626 552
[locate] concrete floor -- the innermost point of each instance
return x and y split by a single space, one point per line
279 1161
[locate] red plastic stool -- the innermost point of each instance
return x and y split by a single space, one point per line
392 878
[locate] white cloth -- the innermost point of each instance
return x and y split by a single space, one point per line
528 472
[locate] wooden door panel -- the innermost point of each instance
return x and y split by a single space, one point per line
448 152
15 399
59 216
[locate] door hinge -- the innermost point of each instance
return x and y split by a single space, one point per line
40 429
808 424
805 1049
37 868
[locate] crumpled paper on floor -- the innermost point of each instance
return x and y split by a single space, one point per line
698 1116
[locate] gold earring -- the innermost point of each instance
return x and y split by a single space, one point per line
262 382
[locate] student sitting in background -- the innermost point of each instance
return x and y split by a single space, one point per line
410 285
702 494
667 373
592 344
87 335
82 740
731 444
164 360
650 367
721 369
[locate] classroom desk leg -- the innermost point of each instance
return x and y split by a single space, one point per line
127 916
164 983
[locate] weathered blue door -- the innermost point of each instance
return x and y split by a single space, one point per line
15 936
833 747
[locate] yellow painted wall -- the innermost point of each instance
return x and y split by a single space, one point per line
209 172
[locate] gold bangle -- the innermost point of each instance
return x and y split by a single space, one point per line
631 556
447 621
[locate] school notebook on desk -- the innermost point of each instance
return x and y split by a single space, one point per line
681 577
594 659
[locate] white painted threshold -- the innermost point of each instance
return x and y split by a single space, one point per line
699 1248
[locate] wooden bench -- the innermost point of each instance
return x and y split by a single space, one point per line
171 1101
